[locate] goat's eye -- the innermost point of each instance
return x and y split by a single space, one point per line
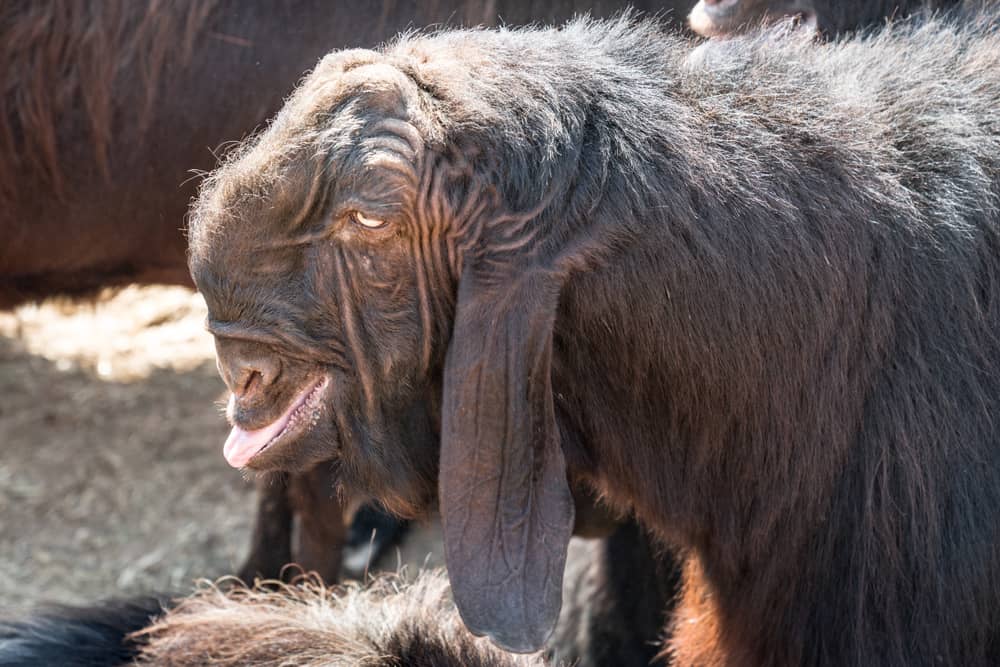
365 221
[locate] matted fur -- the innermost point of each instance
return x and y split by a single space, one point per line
387 622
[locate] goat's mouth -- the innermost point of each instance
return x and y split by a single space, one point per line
302 414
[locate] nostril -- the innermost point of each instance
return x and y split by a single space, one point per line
246 367
257 376
253 381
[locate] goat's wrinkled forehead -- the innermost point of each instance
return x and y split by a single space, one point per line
322 122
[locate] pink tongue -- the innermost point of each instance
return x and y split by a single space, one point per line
241 445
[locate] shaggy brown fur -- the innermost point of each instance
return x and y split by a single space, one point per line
387 623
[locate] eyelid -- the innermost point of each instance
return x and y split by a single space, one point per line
368 223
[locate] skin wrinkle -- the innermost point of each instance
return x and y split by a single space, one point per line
479 390
430 229
511 228
435 199
424 300
468 229
443 282
392 164
504 528
347 313
271 336
434 226
396 146
457 250
406 134
427 247
332 354
313 201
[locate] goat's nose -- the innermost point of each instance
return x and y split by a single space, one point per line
256 375
247 375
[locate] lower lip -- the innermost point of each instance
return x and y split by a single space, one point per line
298 417
304 416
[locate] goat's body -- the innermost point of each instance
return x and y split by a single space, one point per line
778 336
809 289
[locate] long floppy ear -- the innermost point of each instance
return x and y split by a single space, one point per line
506 505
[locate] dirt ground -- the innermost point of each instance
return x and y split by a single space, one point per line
112 480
